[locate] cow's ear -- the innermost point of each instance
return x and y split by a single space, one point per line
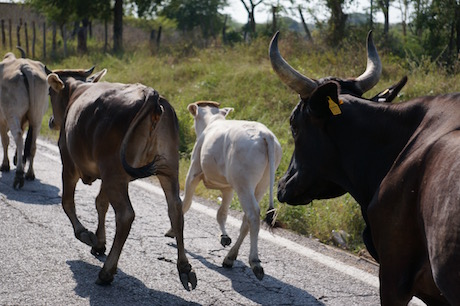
55 82
324 101
225 111
97 76
193 109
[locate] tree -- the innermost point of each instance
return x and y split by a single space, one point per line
337 21
118 26
190 14
250 8
385 6
65 11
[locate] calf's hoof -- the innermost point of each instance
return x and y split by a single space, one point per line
18 180
188 278
104 278
30 176
5 168
228 262
170 233
225 240
258 272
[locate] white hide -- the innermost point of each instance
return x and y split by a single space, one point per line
233 155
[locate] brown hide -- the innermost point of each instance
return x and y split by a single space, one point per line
106 131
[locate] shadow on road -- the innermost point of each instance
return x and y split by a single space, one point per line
33 192
269 291
126 290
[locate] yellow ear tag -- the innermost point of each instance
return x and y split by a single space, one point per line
335 109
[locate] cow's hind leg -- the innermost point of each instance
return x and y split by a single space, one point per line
102 205
251 222
170 187
227 195
5 143
124 217
16 131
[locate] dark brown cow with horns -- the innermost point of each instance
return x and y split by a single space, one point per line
105 128
400 162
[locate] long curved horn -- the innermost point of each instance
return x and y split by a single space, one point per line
371 76
288 75
23 53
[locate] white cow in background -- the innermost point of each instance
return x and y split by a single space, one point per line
23 101
233 155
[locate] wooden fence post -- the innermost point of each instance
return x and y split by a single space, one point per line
53 43
10 34
33 39
159 38
64 37
26 38
18 34
3 34
44 40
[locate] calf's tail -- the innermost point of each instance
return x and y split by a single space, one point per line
270 217
151 103
28 144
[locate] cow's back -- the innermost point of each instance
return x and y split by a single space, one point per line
234 152
96 122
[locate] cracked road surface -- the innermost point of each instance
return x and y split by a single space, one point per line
42 263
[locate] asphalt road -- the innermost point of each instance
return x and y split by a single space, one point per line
42 263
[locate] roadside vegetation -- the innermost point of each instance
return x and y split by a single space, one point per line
241 77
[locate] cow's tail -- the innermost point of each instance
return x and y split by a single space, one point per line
151 103
29 83
271 215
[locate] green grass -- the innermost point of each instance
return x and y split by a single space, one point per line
241 77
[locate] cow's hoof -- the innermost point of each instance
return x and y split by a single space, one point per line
187 278
225 240
5 168
258 272
170 233
228 262
30 177
104 278
87 237
98 252
18 180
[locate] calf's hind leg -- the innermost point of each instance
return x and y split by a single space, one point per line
227 195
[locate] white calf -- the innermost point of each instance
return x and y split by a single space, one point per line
233 155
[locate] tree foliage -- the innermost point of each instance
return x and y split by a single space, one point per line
191 14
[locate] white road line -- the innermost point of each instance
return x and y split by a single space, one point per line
264 234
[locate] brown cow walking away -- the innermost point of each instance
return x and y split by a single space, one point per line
105 128
23 101
400 162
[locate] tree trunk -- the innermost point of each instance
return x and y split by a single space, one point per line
305 26
385 6
82 35
118 26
